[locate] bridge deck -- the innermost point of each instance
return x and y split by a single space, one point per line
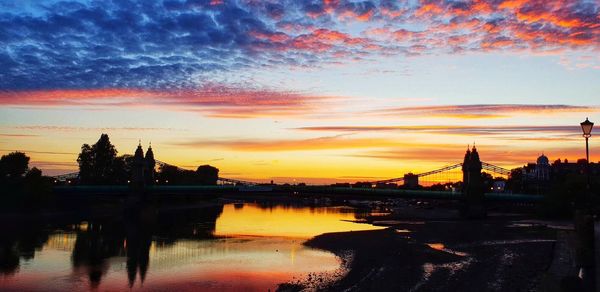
192 189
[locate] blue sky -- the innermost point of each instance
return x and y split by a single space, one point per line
270 89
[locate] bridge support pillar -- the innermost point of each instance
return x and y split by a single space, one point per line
473 206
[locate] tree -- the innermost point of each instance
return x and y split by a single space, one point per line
14 164
34 173
98 163
105 155
86 163
207 175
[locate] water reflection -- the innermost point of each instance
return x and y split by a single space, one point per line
286 221
220 247
19 242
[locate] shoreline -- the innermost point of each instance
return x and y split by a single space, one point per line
500 253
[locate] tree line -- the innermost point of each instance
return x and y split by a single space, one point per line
21 186
99 164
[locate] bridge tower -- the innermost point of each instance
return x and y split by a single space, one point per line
473 192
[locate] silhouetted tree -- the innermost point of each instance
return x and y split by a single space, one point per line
98 163
14 165
86 163
487 180
122 169
37 189
207 175
204 175
169 173
515 180
33 173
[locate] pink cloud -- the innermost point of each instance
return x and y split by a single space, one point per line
213 100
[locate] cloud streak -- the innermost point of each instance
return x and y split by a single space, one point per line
481 111
214 101
449 155
457 130
313 144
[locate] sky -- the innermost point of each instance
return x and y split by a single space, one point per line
300 91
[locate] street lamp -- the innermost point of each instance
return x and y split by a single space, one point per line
584 223
587 126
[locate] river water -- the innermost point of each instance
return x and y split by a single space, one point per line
221 247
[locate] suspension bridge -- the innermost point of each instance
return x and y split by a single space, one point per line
450 173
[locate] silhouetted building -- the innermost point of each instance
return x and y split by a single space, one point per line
150 163
411 181
137 171
542 168
142 172
561 168
538 177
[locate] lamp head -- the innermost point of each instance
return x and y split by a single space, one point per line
586 127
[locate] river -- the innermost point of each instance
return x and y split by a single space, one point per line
220 247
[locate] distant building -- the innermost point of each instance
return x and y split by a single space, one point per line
542 168
537 177
411 181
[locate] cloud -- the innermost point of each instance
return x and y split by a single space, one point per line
452 154
17 135
477 111
213 100
42 152
313 144
186 43
457 130
72 128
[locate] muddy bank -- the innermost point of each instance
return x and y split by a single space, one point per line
444 255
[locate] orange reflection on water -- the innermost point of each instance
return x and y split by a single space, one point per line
442 247
281 221
259 248
437 246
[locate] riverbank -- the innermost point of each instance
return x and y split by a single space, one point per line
506 252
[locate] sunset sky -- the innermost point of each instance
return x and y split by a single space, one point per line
314 91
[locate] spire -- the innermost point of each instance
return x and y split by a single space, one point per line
150 155
467 158
139 152
150 165
475 160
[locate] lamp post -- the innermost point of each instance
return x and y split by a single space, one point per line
584 223
587 126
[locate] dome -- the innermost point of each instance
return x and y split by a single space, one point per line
543 160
